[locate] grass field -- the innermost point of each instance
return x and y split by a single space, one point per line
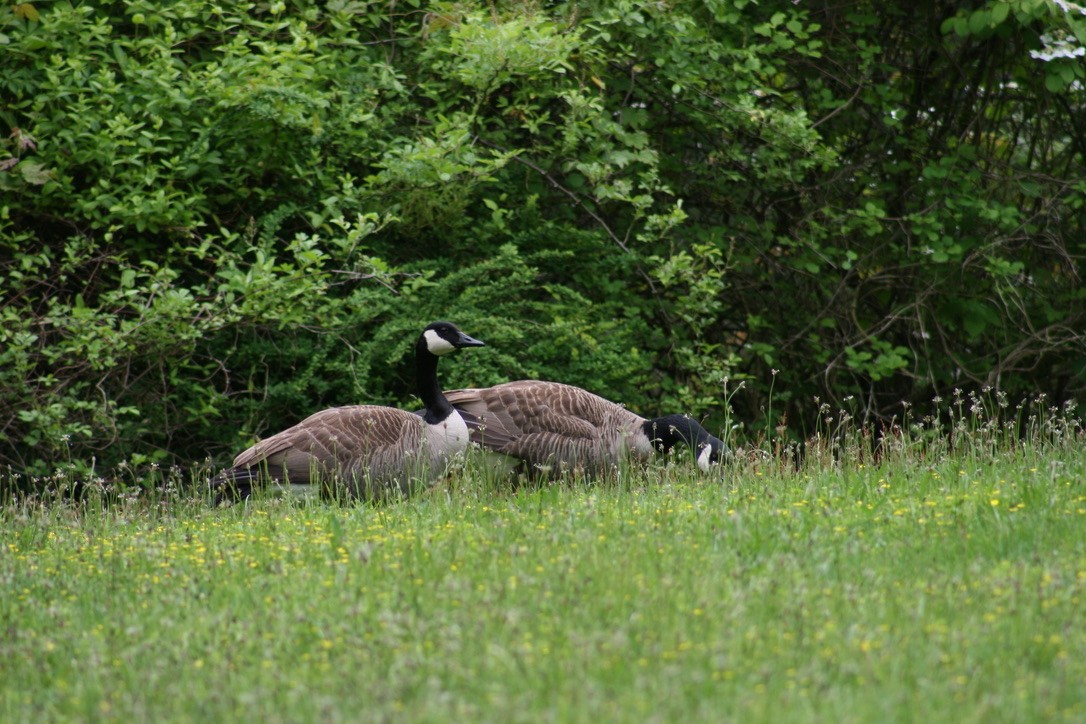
945 586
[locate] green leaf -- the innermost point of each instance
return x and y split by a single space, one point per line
26 11
935 171
1031 189
1000 11
976 318
978 21
34 173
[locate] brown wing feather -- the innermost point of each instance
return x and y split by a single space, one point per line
490 436
547 449
547 422
344 441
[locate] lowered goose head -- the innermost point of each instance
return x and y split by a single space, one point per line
670 430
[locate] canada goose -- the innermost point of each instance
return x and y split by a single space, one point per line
554 427
370 450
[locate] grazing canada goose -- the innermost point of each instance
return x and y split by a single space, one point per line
554 427
369 450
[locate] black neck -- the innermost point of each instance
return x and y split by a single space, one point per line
437 407
668 431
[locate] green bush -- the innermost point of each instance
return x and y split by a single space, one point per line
217 219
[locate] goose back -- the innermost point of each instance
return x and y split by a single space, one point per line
370 450
552 426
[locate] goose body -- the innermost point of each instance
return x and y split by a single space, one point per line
368 451
554 427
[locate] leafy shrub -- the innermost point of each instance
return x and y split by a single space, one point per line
218 219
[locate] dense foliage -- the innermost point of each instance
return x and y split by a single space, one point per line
217 218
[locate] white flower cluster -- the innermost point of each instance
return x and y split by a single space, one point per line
1070 7
1064 47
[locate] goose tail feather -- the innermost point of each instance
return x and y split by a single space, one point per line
233 485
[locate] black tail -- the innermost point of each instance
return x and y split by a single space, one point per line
233 485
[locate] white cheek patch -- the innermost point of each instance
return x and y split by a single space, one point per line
436 343
703 458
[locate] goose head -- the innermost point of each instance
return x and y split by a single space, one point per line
440 338
668 431
711 452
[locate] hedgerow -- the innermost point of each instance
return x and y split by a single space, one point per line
217 219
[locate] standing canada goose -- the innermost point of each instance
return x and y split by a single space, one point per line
370 450
554 427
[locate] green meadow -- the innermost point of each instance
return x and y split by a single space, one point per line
926 583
